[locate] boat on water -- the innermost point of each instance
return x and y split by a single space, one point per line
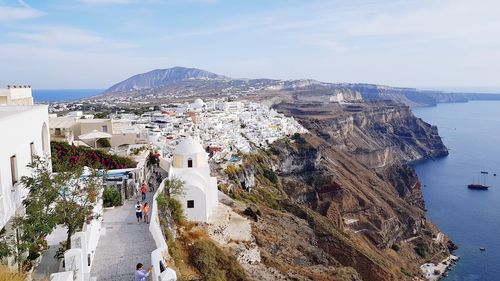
478 186
484 172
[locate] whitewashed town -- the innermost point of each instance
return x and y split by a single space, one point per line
176 143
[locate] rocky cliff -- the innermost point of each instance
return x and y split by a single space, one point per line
340 203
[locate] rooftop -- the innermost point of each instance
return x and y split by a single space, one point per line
11 110
189 146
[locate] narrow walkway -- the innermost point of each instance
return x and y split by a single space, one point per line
123 243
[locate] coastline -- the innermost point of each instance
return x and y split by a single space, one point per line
434 272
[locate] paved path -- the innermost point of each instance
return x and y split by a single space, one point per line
123 243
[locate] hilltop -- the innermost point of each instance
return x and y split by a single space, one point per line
182 82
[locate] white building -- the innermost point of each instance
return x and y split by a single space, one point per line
200 195
16 95
24 133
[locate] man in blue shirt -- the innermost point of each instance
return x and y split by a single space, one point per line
141 274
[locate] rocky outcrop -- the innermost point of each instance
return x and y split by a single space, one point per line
342 201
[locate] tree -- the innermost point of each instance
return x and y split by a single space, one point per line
173 186
43 191
76 199
65 198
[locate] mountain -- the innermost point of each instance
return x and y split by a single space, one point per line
164 84
162 77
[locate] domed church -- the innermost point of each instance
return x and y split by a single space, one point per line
200 195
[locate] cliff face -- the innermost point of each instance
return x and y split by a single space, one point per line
342 201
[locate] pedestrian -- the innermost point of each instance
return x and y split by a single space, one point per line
144 189
158 181
151 185
145 211
141 274
138 211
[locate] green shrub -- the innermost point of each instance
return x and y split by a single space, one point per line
298 138
173 205
214 264
271 176
111 197
395 247
420 251
319 180
176 209
100 115
4 250
103 142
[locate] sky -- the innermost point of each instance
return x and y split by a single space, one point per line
85 44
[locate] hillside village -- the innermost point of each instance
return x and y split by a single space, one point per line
225 128
176 142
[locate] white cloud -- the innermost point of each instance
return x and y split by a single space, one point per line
11 13
58 36
105 2
63 36
442 19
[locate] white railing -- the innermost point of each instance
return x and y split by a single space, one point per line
158 256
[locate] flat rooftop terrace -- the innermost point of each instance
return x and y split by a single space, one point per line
11 110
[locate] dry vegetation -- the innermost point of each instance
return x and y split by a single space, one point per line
7 275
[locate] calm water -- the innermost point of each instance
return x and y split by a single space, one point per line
63 94
471 218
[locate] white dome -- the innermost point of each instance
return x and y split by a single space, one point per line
199 102
188 146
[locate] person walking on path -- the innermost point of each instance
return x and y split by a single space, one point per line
145 211
150 183
158 180
141 274
144 189
138 211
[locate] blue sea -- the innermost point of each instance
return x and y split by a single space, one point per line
63 94
471 218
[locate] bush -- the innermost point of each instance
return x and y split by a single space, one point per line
66 156
271 176
111 197
298 138
103 142
173 205
395 247
420 251
176 210
100 115
214 264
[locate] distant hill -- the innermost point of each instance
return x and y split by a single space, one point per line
190 82
161 78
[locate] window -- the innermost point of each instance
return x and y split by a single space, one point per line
32 151
190 163
190 204
13 169
105 129
58 131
